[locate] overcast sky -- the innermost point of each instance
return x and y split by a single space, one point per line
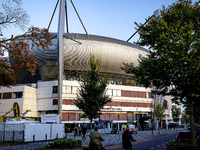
109 18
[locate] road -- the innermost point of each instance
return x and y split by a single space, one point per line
154 142
148 143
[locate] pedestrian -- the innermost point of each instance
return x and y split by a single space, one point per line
76 130
84 132
127 138
95 139
79 130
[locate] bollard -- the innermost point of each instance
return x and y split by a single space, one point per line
13 139
46 137
57 136
23 136
33 138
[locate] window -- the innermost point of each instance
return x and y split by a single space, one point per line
7 95
55 102
165 105
17 95
148 95
74 89
109 92
114 92
55 89
119 93
67 89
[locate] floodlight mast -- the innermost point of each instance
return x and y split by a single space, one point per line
157 13
60 55
60 36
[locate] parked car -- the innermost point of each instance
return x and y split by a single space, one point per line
183 137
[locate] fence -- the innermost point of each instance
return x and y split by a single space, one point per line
30 132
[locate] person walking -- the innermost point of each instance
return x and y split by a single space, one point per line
79 130
95 139
76 130
84 130
126 139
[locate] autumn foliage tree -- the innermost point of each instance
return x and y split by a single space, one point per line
11 14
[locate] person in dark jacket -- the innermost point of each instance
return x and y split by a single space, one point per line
126 139
84 130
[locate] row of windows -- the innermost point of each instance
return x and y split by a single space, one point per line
113 103
66 89
104 116
110 92
11 95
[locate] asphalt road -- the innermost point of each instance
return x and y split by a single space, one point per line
149 143
154 142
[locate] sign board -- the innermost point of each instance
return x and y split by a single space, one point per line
50 118
111 109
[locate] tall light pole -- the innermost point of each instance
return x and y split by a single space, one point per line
60 55
156 14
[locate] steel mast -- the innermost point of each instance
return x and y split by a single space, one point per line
60 55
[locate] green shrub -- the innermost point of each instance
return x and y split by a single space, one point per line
182 146
65 143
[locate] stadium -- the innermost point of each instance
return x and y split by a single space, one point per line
128 99
111 54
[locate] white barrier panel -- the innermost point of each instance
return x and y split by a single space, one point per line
37 132
58 130
11 127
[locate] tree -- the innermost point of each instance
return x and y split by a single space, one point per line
186 118
173 64
196 110
158 113
91 95
11 14
175 114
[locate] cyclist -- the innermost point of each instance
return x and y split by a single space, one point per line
127 138
95 139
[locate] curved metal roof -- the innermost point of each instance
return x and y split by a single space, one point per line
100 38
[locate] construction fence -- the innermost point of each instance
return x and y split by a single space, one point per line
22 132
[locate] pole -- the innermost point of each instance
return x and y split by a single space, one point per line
140 28
79 17
60 55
